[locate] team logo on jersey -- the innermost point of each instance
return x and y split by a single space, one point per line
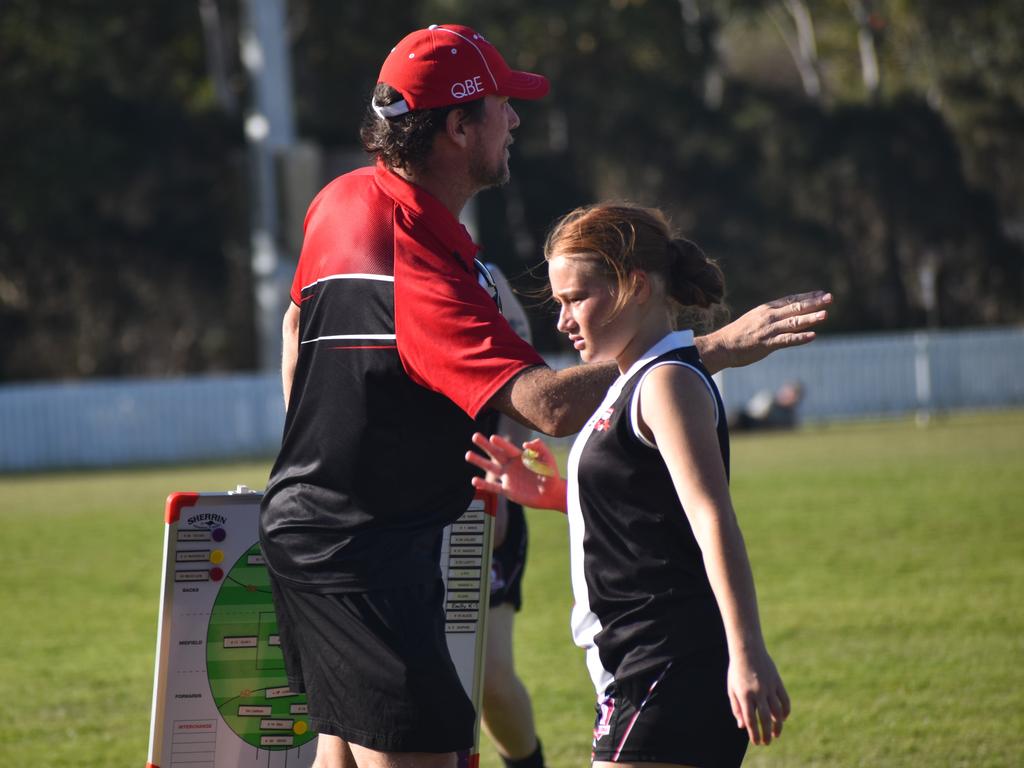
604 421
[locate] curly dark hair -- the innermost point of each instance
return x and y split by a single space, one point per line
405 141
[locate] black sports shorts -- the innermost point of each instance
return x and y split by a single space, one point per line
508 563
679 713
375 667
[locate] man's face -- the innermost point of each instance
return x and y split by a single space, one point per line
490 139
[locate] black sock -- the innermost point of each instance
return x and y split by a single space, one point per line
534 760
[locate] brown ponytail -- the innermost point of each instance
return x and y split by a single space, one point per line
693 278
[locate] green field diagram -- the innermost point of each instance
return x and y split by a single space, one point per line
245 665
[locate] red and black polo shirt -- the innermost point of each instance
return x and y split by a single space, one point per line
399 349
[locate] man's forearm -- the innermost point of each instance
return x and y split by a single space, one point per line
715 354
555 402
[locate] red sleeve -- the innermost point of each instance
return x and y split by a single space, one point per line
299 281
451 337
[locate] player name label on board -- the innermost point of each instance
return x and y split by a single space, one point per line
193 556
241 642
193 535
277 693
468 568
251 711
276 741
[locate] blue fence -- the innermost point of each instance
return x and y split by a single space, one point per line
110 423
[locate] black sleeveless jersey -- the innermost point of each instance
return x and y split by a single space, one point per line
641 590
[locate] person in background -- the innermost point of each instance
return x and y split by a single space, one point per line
507 714
768 410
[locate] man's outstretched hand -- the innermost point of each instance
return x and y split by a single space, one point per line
778 324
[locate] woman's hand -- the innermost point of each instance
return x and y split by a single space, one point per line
540 487
758 697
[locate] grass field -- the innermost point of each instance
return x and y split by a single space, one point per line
889 561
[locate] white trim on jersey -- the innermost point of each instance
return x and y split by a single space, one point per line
634 402
584 622
352 276
366 336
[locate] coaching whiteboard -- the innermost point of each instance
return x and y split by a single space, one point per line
220 694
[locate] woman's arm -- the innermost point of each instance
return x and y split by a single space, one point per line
678 413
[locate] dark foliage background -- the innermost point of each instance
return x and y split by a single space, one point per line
761 127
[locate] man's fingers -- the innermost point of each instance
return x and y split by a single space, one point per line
783 340
799 303
796 322
780 322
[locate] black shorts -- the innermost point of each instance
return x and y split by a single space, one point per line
375 667
508 563
679 714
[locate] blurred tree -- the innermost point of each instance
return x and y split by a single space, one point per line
868 146
114 194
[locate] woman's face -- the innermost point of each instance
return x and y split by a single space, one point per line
585 298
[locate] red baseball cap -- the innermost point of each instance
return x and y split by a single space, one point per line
448 64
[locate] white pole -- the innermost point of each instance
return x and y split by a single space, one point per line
270 131
922 378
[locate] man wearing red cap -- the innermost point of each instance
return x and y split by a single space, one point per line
392 349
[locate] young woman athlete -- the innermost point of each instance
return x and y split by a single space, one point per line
665 602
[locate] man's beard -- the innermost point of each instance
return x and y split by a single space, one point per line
486 175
